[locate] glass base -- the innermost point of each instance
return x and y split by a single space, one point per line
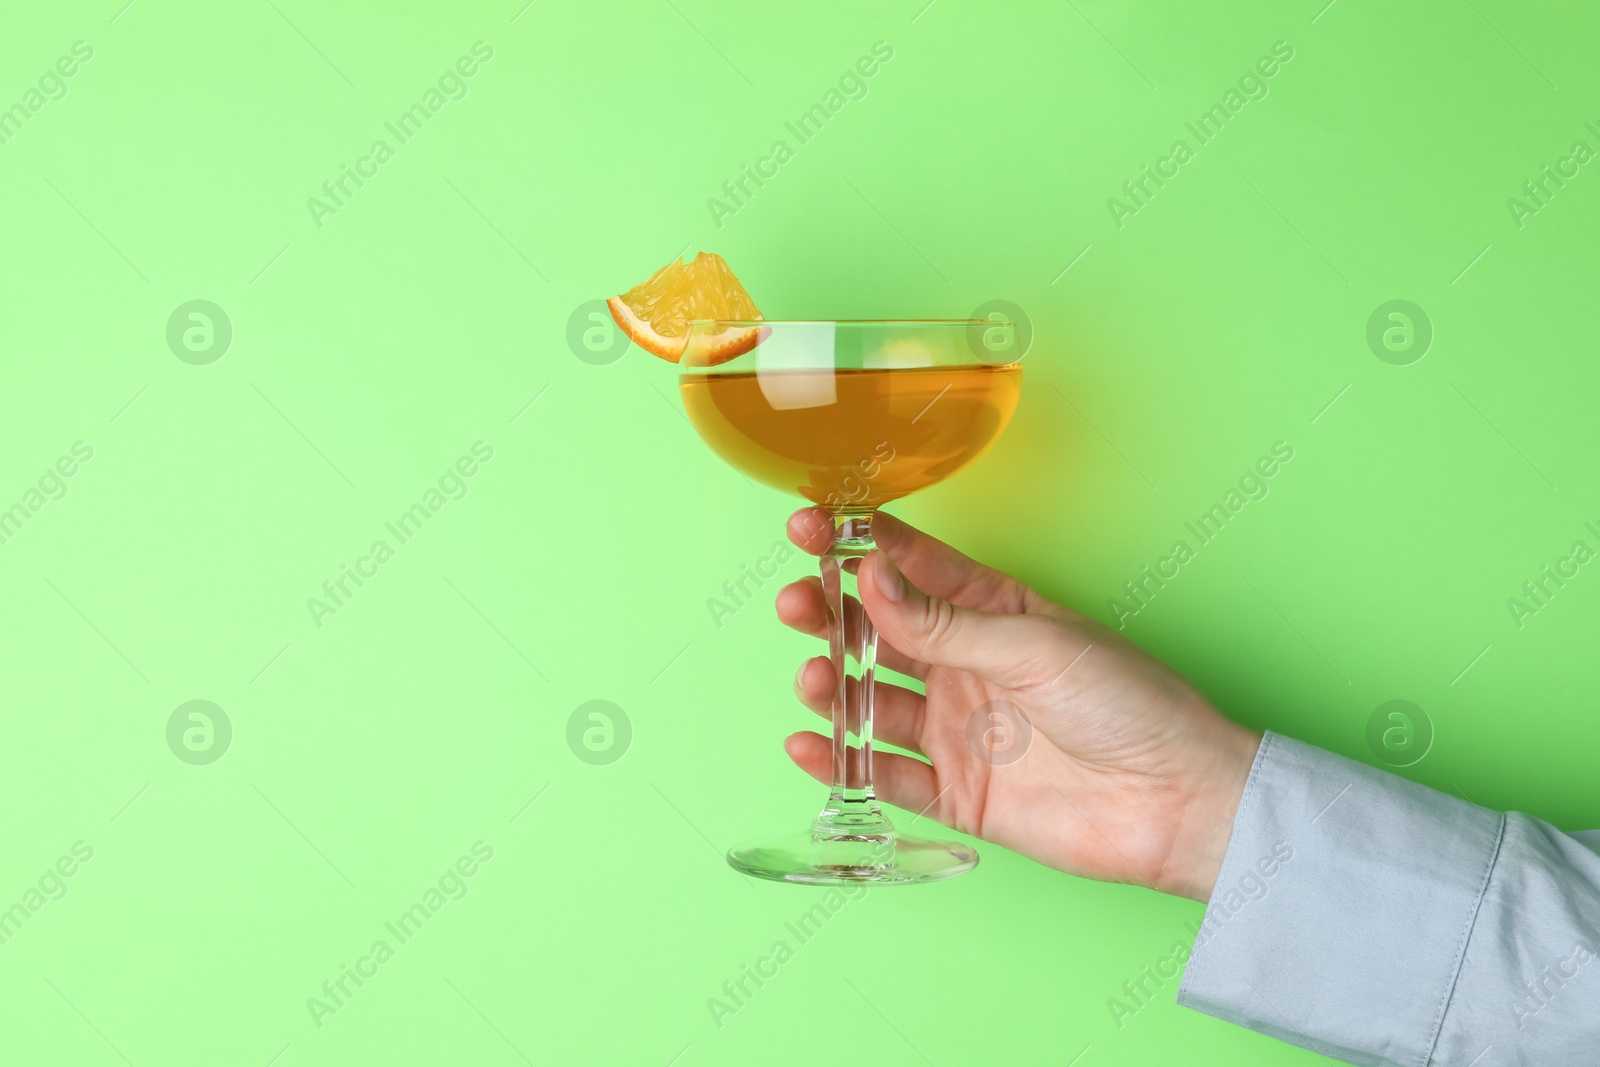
815 857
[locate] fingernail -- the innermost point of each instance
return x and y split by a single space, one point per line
890 579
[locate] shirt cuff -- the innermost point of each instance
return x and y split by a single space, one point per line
1342 908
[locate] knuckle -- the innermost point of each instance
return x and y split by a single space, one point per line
942 622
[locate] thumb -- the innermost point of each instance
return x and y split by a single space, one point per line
1002 648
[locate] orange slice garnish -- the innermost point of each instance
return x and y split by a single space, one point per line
656 313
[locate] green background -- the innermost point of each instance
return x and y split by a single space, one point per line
429 313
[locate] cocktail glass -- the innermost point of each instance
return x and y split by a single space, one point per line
850 415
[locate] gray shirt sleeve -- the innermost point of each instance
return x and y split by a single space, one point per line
1380 922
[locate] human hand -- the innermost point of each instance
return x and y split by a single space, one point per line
1131 775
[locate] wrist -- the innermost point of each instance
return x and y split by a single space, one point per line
1206 825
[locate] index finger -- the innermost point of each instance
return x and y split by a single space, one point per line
931 565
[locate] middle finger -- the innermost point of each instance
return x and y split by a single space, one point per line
802 606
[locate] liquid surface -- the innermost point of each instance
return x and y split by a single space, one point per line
852 438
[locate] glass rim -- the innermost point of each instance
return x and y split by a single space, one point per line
851 322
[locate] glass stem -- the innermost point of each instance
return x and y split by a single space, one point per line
852 809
